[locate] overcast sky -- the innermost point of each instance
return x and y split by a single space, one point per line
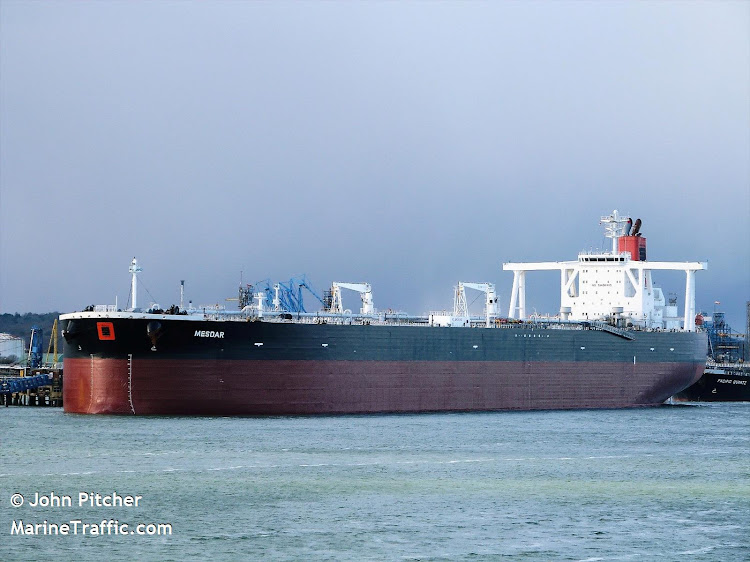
407 144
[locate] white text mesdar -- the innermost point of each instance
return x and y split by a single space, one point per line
208 334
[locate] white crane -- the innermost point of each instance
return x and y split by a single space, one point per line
460 307
363 289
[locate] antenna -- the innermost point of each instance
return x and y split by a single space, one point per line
614 227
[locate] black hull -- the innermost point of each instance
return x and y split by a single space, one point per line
718 385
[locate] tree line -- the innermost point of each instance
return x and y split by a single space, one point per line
20 325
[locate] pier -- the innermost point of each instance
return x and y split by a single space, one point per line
31 387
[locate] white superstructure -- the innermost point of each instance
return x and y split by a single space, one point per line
614 285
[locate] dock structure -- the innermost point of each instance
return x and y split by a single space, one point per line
31 387
38 380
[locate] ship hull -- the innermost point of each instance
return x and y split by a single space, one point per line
266 368
196 387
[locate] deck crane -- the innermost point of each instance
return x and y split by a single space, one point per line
460 307
335 304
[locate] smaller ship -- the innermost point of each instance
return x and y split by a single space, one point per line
727 374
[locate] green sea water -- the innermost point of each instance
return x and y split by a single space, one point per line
666 483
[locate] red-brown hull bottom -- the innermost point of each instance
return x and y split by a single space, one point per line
205 387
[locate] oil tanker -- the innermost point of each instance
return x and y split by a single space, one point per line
615 343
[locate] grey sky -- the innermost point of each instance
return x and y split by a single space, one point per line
411 145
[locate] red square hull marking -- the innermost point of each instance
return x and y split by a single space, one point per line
106 330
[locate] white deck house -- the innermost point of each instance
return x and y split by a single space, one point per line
616 284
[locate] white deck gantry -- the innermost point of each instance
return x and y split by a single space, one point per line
604 285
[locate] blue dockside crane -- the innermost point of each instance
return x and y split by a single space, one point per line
290 294
35 348
294 299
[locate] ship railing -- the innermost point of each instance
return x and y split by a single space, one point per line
552 323
321 317
105 308
727 364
